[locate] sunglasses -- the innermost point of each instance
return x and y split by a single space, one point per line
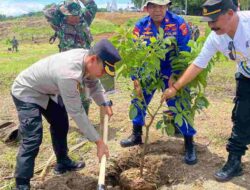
232 53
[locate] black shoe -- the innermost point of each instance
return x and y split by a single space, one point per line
67 164
190 157
134 139
231 169
22 187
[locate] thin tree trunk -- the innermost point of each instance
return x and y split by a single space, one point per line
145 146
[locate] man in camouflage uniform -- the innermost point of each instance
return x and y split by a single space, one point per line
74 27
71 24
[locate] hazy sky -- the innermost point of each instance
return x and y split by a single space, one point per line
17 7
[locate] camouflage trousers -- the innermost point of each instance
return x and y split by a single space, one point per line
86 101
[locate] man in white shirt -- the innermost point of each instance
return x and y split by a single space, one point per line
230 36
59 74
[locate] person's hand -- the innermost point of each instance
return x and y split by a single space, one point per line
137 88
168 93
102 149
171 81
108 110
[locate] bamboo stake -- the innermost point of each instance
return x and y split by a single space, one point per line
43 173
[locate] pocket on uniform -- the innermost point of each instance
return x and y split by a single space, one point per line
29 119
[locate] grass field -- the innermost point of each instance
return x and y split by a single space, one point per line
213 125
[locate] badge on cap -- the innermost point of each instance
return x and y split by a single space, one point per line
204 11
109 68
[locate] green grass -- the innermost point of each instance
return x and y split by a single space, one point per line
221 79
24 29
26 33
13 63
195 20
102 26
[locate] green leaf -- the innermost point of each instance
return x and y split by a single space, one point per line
161 33
132 112
178 106
170 130
178 119
159 124
173 109
153 40
185 53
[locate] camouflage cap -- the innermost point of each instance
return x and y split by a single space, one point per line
70 7
158 2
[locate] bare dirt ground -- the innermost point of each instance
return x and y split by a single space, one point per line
164 168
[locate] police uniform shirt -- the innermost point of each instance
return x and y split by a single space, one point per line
174 26
220 43
60 74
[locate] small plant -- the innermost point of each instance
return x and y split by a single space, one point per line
143 62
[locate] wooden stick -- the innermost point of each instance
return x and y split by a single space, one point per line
53 160
43 173
102 114
101 180
7 178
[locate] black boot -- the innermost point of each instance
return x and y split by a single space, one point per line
134 138
66 164
22 184
231 169
190 157
22 187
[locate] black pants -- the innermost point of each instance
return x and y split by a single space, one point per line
30 128
240 136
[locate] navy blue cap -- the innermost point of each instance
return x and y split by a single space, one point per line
211 9
108 54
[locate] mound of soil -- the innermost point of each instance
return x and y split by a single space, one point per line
163 166
130 179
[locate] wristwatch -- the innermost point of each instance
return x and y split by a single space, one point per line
108 103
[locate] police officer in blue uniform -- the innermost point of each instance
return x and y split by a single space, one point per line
173 26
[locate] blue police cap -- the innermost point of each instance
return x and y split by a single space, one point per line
108 54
